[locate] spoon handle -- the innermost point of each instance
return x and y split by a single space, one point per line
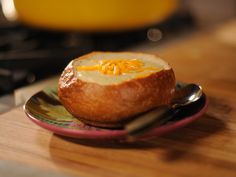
150 120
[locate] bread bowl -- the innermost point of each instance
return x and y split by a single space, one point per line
107 89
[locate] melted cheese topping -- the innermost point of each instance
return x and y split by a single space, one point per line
115 68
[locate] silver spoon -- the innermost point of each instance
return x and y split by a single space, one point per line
162 114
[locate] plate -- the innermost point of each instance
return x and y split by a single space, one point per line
45 109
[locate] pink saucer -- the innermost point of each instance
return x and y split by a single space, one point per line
45 110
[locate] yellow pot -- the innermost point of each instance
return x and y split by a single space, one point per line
93 15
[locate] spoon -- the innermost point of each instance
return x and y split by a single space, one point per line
183 97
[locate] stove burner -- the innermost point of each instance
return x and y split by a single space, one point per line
28 55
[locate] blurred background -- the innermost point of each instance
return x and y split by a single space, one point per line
38 38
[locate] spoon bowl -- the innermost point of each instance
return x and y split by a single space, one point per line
186 95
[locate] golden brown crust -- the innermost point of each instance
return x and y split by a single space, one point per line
111 105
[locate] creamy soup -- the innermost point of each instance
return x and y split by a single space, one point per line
114 68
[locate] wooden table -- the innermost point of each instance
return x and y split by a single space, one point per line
207 147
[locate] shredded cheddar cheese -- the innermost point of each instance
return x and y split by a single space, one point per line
117 66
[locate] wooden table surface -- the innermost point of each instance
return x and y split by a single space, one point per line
207 147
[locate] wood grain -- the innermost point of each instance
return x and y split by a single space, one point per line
207 147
